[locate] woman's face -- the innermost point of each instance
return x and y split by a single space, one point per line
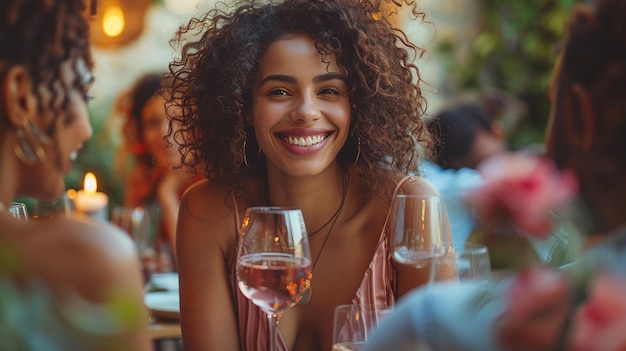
45 179
300 107
155 124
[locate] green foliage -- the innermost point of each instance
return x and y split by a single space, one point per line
514 51
98 156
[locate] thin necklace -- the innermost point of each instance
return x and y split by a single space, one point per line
306 297
334 216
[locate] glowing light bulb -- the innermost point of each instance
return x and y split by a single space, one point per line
113 21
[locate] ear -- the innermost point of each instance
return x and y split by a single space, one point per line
18 98
585 104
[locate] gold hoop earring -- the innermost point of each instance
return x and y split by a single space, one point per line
29 147
245 155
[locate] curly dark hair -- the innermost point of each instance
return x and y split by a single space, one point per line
210 84
41 35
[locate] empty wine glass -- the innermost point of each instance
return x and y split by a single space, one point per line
136 222
469 260
274 261
48 209
418 227
354 323
18 210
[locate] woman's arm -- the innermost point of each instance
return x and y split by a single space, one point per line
169 192
206 245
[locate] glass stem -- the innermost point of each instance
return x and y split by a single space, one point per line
273 319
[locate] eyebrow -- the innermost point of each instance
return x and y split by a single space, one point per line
289 79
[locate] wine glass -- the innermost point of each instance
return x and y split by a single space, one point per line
136 222
18 210
354 323
418 226
469 261
48 209
273 261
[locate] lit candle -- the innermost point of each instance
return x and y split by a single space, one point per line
91 202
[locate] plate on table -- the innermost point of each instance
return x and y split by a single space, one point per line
163 304
163 282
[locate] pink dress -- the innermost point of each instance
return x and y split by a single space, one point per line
376 289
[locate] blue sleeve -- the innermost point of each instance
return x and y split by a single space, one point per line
447 316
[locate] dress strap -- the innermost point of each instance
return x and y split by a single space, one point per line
236 209
393 196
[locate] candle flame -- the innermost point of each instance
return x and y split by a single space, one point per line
90 185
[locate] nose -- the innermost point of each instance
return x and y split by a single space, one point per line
306 109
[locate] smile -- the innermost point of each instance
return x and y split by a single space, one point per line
304 141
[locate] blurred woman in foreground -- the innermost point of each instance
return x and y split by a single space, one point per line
66 284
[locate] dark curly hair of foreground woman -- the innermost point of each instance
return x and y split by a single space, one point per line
211 84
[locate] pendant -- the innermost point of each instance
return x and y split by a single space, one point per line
306 297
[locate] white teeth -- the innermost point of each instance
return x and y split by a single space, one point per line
73 155
302 141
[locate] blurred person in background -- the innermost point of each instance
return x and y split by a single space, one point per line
531 311
465 134
66 283
150 164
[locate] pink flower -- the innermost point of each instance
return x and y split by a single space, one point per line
537 304
600 322
522 189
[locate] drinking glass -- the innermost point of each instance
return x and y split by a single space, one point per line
469 260
48 209
418 227
353 324
18 210
273 261
136 222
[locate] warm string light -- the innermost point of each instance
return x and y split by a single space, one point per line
113 21
117 23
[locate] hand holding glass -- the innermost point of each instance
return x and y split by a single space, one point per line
273 261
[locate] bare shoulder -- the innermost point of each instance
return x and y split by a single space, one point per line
416 185
206 217
90 257
205 200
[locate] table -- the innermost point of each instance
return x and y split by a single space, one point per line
165 335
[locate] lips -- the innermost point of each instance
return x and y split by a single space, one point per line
304 140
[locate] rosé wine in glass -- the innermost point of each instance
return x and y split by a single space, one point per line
274 281
273 261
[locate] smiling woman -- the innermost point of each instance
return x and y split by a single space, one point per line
64 271
314 105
